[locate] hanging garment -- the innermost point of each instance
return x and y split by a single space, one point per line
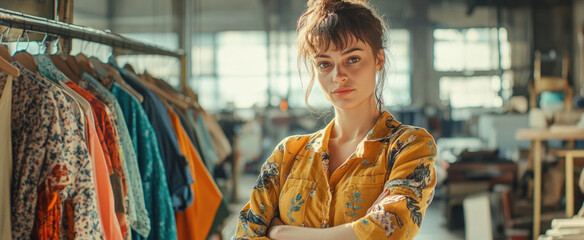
178 174
195 222
80 108
138 215
205 141
77 111
111 225
382 189
220 216
106 135
5 157
156 194
109 220
51 165
49 71
223 209
219 140
112 228
97 146
123 195
189 127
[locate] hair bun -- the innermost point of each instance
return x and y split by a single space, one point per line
328 5
322 7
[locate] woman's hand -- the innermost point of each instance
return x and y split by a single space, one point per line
272 231
276 222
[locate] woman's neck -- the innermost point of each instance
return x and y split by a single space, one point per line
354 124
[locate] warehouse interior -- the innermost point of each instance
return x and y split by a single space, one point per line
498 84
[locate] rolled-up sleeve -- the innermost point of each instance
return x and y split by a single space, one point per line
398 211
257 214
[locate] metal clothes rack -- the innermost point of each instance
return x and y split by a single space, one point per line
51 27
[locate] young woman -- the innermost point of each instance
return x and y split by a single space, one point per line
364 176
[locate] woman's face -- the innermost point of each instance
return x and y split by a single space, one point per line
347 76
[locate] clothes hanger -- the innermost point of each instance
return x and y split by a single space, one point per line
194 98
170 90
84 63
23 57
5 59
130 68
191 94
159 82
42 44
114 75
60 59
74 65
98 67
161 93
118 78
63 66
102 72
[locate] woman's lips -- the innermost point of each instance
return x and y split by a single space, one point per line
340 92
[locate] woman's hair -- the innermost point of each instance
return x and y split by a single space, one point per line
338 22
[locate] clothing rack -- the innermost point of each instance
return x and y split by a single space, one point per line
27 22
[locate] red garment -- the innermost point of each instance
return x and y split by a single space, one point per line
105 133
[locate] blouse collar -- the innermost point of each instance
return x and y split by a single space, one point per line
381 131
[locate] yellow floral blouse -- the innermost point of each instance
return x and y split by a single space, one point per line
383 189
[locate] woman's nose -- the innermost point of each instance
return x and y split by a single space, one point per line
339 74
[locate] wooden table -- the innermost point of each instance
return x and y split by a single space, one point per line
537 136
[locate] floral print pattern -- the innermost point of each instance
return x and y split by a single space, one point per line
51 164
296 204
269 172
383 189
354 205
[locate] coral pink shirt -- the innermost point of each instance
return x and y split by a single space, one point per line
105 194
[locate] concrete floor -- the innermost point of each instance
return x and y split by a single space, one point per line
433 226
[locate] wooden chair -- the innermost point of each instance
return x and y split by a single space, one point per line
551 83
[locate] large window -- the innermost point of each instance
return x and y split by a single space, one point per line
397 91
230 69
242 68
468 62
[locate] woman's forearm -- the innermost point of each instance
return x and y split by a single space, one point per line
285 232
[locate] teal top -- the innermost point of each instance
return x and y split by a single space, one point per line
156 193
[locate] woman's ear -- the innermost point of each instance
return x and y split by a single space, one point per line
380 60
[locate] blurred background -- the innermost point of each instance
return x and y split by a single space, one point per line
472 72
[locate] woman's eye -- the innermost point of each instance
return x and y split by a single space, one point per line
323 65
354 59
